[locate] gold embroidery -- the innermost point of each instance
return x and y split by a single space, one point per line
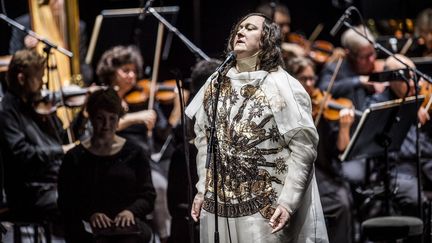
244 123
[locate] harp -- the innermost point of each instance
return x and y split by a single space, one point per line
58 21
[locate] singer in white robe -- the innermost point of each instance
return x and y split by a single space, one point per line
266 147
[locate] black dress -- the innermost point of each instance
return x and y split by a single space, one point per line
107 184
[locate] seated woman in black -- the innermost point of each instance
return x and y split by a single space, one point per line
106 180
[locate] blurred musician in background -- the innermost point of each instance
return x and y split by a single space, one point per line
335 192
423 28
404 170
33 145
280 14
120 67
352 81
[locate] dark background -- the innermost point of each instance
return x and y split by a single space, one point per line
207 23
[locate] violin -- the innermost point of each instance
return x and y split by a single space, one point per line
70 96
319 51
426 90
331 107
165 92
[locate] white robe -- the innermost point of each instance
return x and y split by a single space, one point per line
288 108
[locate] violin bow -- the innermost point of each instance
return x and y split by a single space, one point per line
327 92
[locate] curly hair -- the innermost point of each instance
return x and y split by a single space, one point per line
24 61
270 56
106 100
116 57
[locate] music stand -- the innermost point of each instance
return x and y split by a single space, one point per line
117 27
364 144
382 129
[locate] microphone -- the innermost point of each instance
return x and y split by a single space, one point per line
340 22
392 75
228 60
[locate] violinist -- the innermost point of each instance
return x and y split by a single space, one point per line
32 145
280 14
403 162
334 192
423 28
352 81
120 67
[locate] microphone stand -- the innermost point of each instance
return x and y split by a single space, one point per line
47 42
416 72
137 31
211 154
199 54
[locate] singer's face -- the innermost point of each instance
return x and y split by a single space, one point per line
247 41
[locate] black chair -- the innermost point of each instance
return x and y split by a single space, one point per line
7 215
392 228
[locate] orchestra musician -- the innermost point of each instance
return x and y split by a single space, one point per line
404 170
106 180
423 28
280 14
120 67
266 146
32 145
335 192
360 60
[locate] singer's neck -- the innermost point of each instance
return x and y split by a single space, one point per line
248 64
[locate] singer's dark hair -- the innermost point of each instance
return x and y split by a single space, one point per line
270 56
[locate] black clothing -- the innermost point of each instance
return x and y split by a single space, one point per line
334 192
403 162
347 83
16 43
32 152
108 184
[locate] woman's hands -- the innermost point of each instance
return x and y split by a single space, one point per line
123 219
196 206
100 220
279 219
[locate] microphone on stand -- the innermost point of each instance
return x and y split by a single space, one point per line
340 22
228 60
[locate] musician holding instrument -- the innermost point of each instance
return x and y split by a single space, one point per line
120 67
32 145
352 81
423 28
403 162
266 146
335 193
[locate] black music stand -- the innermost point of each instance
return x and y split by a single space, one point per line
382 129
117 27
